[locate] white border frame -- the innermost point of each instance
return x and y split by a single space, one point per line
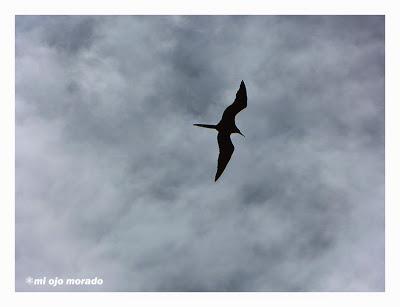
205 7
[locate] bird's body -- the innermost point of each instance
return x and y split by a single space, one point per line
226 127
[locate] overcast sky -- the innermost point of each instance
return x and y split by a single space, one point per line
113 181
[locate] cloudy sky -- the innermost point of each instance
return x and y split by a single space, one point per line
113 181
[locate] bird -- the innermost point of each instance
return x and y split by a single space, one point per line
226 127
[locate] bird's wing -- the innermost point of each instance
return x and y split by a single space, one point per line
226 149
238 105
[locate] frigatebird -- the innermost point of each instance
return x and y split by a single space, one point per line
225 127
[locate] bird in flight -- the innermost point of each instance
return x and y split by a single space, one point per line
225 127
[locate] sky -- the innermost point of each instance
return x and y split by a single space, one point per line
113 180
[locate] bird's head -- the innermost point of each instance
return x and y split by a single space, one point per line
238 131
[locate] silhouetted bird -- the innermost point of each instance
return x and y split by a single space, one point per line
226 126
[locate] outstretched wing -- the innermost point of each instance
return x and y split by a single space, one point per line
226 149
238 105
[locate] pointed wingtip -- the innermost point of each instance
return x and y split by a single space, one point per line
216 178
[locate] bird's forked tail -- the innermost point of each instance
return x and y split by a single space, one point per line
206 126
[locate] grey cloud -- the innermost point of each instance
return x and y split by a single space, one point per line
112 179
63 33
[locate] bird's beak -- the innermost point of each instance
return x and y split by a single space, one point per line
242 134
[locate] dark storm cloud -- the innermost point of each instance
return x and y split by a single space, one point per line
112 179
